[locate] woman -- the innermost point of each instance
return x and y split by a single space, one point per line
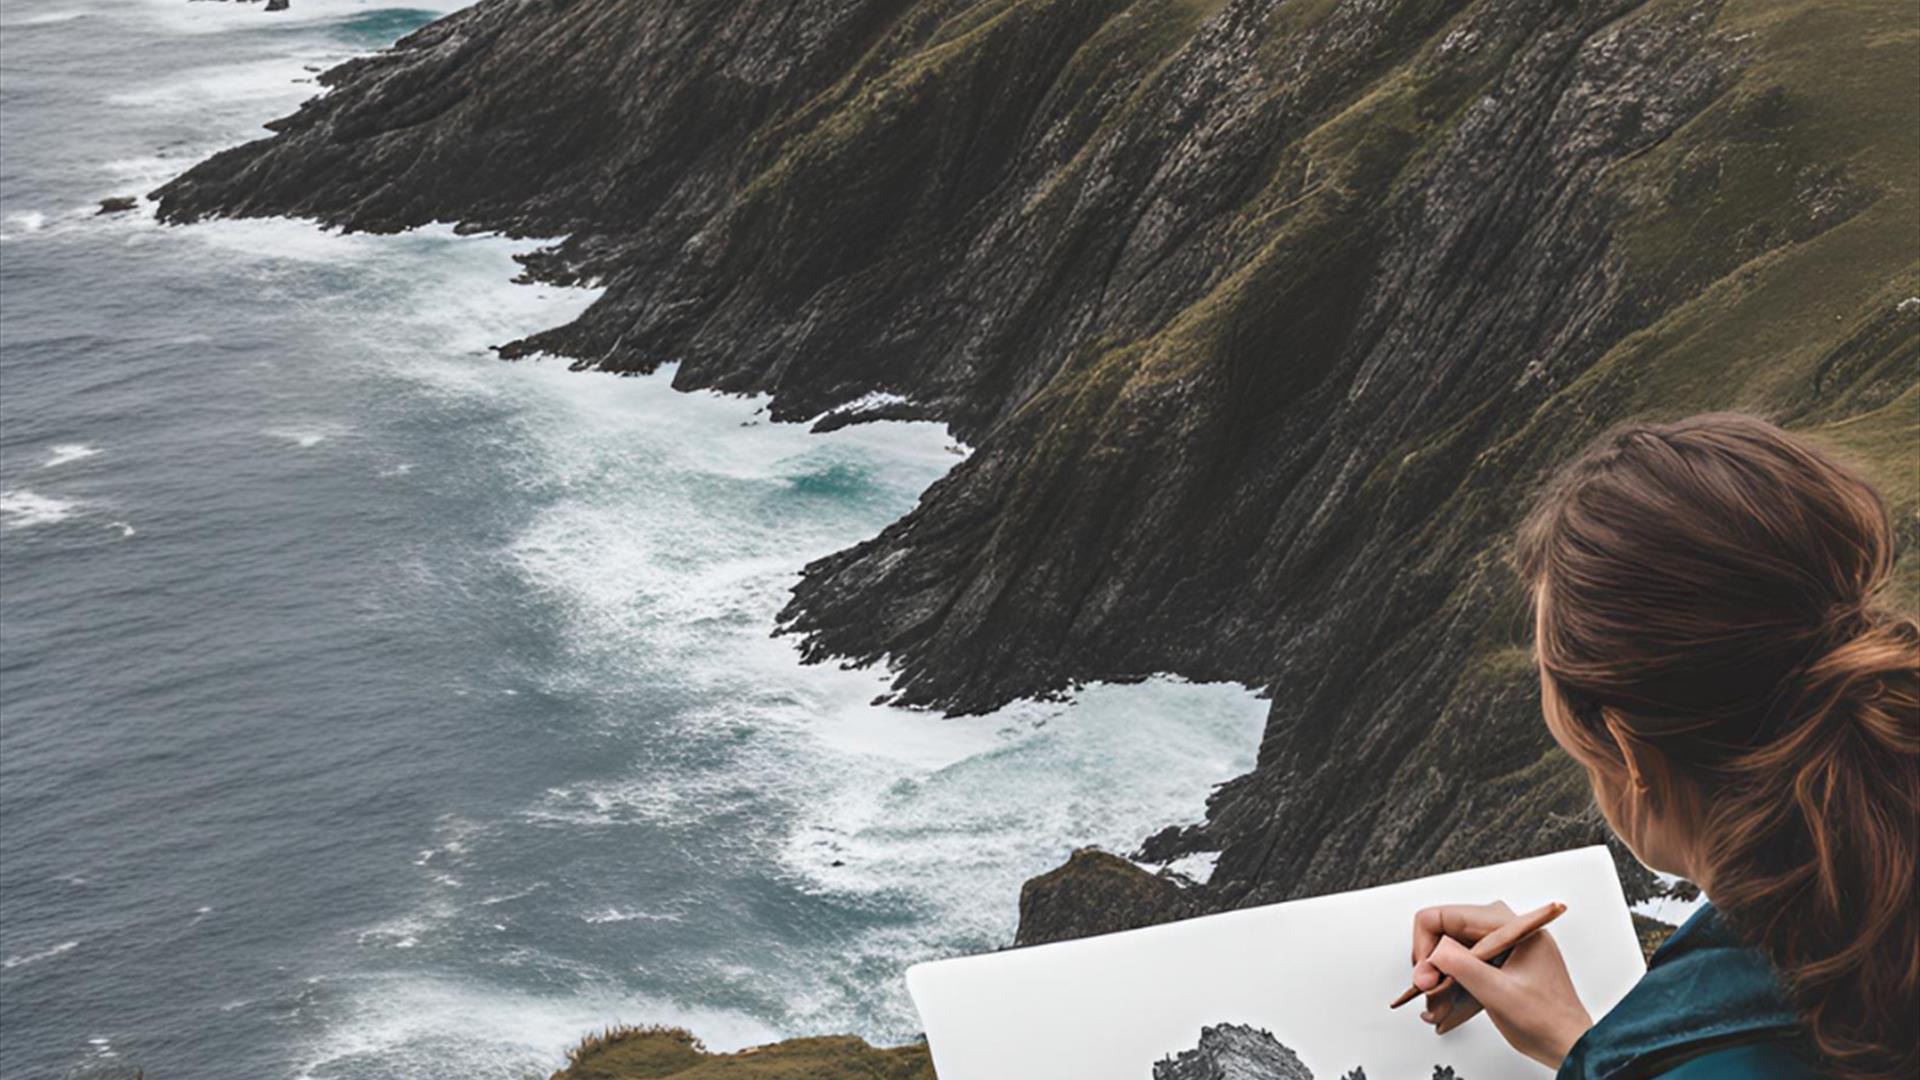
1713 651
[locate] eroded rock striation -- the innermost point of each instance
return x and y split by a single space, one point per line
1264 317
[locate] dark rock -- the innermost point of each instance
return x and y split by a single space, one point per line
1175 841
1095 892
118 204
1264 320
1233 1052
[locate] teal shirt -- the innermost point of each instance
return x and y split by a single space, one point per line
1709 1008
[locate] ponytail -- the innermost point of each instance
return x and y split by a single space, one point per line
1812 844
1714 588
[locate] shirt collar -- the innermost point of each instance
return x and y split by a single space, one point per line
1702 987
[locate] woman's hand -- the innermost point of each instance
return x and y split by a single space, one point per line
1531 998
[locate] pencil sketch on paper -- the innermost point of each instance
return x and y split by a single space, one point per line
1290 991
1244 1052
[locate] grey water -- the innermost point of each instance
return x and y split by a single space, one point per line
370 707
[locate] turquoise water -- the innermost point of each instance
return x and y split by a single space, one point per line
373 708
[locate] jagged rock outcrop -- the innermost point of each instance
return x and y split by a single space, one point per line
1096 892
1233 1052
1263 315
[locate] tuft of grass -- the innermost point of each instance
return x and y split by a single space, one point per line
647 1052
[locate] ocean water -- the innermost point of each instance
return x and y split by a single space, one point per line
370 707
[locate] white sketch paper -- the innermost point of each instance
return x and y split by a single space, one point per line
1312 977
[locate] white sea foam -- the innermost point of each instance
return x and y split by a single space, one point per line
146 171
23 959
954 844
517 894
667 530
21 223
306 437
1197 866
401 933
414 1028
671 539
616 915
209 18
282 77
21 508
869 401
45 18
66 453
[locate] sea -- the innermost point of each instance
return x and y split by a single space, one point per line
371 707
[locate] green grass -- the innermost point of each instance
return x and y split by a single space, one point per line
662 1053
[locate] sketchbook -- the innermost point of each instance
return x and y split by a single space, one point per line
1293 991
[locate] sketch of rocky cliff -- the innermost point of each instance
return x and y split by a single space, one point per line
1243 1052
1233 1052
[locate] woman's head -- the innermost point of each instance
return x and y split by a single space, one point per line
1712 650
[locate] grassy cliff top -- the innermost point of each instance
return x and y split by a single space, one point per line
664 1053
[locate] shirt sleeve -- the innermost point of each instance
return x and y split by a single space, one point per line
1754 1061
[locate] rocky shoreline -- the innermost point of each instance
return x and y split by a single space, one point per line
1264 318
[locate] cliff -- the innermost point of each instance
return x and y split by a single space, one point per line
1263 315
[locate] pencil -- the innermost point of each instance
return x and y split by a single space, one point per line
1492 948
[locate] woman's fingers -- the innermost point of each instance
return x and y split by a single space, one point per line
1461 1008
1531 998
1489 986
1448 1011
1461 922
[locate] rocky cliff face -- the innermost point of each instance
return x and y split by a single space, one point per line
1264 317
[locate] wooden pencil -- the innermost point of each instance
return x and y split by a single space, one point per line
1493 948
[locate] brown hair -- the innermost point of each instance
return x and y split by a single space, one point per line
1711 588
